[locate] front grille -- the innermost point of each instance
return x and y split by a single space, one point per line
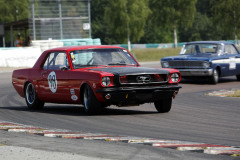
185 64
143 79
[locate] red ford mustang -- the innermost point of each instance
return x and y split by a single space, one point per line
97 77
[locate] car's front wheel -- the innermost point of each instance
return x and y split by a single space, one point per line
163 106
215 76
238 77
91 104
31 98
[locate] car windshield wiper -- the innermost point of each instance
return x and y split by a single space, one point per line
123 64
88 65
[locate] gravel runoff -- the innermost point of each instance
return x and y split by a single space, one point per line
22 153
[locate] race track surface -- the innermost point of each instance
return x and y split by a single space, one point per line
194 116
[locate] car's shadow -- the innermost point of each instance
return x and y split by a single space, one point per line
205 81
74 110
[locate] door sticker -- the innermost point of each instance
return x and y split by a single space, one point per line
232 64
72 91
52 82
73 96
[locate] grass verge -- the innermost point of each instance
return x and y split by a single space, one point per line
154 54
235 94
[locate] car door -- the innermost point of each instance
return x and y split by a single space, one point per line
54 84
232 55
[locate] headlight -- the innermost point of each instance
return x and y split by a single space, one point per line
206 64
165 64
105 81
175 77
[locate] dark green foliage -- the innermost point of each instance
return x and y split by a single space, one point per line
13 10
226 13
147 21
126 16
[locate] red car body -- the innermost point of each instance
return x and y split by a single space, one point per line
126 84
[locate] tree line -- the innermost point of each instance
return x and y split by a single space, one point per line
151 21
165 21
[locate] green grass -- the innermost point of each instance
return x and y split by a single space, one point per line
235 94
154 54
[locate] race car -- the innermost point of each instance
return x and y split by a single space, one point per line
97 77
211 59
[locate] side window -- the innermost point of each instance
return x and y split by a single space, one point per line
55 61
230 49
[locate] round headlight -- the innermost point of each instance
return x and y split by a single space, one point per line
206 64
174 77
165 64
105 81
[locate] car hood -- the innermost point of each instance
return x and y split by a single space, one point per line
131 70
197 57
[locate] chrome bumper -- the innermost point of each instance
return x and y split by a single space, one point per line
196 72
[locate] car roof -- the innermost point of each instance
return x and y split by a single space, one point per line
69 49
209 42
72 48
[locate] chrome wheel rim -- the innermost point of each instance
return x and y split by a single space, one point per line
215 74
85 97
30 93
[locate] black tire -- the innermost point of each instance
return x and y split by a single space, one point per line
31 98
91 104
163 106
238 77
215 77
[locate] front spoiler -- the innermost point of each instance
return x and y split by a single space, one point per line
123 96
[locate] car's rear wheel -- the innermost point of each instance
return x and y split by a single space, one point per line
91 104
163 106
238 77
215 76
31 98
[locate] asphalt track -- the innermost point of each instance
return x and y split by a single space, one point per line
194 117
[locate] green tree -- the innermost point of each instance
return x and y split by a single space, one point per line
99 26
174 14
10 11
13 10
202 28
126 17
155 33
227 13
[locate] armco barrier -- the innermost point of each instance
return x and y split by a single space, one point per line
19 57
26 57
158 45
49 44
153 45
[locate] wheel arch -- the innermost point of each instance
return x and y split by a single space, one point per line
218 68
82 91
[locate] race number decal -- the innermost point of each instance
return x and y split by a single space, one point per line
52 81
232 64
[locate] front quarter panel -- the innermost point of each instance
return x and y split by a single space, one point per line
80 78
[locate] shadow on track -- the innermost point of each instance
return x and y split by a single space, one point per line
205 81
79 110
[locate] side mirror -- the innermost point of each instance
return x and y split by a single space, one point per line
63 68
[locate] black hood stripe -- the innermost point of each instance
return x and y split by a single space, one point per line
131 70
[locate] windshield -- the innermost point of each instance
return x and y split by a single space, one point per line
96 57
200 48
